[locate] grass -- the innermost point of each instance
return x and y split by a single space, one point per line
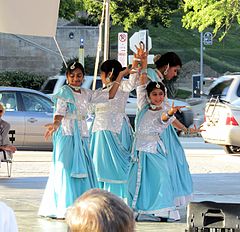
221 56
183 94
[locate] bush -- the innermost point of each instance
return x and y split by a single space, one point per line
22 79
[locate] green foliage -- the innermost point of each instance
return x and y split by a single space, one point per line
131 13
68 8
201 14
22 79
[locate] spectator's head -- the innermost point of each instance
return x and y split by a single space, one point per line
100 211
168 64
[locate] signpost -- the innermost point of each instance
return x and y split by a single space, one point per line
136 38
122 48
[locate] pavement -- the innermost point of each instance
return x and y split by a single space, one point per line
23 191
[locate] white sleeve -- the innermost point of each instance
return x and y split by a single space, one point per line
141 96
61 107
130 84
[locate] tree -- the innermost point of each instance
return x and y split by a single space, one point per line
68 8
130 13
220 14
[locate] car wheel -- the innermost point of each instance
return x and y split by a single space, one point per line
229 149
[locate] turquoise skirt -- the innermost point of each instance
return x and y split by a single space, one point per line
70 175
111 158
178 166
150 190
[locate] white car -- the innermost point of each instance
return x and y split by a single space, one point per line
222 125
222 113
226 87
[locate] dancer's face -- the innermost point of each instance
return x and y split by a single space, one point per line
172 72
75 78
157 96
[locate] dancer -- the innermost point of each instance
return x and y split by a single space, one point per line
111 139
150 187
167 67
72 171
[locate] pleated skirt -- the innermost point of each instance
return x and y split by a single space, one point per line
178 166
111 158
150 189
63 188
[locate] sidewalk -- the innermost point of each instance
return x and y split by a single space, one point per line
23 191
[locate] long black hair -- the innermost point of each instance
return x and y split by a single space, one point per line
111 65
170 58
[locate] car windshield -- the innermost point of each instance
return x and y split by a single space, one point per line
221 88
48 86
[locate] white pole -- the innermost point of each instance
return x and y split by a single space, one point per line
99 48
106 30
201 60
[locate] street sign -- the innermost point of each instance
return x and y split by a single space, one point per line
122 48
207 38
196 85
141 36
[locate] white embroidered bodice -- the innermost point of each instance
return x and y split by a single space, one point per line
109 115
151 125
82 101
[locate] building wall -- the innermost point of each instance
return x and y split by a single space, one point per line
40 54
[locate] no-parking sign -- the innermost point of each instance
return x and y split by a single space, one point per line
122 48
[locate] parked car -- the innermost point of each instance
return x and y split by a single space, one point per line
27 111
222 113
222 124
226 87
53 84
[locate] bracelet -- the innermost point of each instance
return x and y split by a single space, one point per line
136 59
117 82
56 120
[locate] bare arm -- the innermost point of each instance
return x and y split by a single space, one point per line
52 127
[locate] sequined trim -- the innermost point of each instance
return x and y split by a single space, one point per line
79 175
113 181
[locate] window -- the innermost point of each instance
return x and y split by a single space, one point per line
36 103
9 100
221 89
49 85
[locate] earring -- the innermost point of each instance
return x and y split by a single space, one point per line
67 82
166 70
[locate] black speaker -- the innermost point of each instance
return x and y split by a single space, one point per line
208 216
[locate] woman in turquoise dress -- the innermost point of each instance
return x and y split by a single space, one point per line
167 67
72 171
111 138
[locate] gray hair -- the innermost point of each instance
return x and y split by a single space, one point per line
100 211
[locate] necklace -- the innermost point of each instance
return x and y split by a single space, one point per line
154 107
75 88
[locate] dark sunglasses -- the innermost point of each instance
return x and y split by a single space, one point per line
1 111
